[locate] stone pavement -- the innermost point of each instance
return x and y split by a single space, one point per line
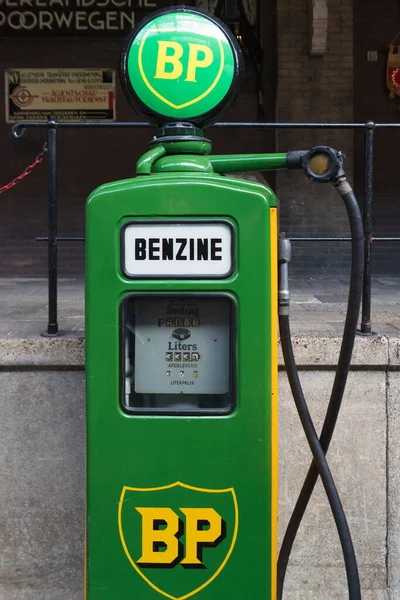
318 306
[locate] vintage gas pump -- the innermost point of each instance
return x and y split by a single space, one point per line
181 308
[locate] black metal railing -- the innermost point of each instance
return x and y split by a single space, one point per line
369 127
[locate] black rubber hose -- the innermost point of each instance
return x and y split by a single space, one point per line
321 463
350 328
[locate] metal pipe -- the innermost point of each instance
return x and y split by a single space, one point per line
62 239
320 239
233 163
292 239
264 125
52 325
385 239
19 129
366 326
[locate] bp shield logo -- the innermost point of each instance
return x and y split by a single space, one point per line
180 64
178 538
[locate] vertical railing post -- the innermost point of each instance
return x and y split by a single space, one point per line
52 325
368 202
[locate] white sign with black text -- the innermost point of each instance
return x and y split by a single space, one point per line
62 94
190 250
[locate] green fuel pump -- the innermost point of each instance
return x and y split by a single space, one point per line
182 276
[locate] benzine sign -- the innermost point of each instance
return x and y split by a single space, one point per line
186 249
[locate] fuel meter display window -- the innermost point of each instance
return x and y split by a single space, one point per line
179 354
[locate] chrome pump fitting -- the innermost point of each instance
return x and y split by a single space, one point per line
320 163
284 256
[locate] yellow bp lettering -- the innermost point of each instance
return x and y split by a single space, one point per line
196 50
161 529
204 528
164 58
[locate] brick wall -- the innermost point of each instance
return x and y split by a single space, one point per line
375 25
297 86
314 88
86 158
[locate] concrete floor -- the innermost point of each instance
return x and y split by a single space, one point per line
318 306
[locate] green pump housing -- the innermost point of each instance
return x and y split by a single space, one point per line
181 381
181 339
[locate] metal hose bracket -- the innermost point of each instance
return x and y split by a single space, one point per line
284 256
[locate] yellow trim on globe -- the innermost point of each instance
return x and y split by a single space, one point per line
274 399
159 96
189 487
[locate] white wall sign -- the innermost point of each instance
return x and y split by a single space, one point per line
60 94
318 26
73 17
189 250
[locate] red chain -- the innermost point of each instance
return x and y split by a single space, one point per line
25 172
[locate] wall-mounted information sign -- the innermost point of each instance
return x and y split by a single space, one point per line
74 17
169 250
60 94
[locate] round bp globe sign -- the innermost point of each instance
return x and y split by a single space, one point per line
181 64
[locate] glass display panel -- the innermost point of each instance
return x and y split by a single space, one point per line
178 354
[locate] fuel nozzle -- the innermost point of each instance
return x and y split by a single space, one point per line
284 256
321 163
